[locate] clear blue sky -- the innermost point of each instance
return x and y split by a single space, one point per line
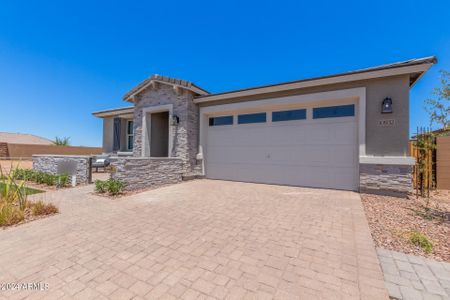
60 61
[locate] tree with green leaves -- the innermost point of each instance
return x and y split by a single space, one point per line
438 107
64 141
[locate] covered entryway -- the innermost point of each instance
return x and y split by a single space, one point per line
316 146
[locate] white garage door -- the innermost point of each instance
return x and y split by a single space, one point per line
291 149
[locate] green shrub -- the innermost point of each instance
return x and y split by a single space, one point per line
419 239
41 208
41 177
111 186
115 187
101 186
62 180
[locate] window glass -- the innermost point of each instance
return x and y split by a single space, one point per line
334 111
252 118
130 127
130 135
288 115
130 142
218 121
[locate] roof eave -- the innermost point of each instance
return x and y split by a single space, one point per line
421 68
113 112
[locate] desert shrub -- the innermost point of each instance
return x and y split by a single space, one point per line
62 180
111 186
115 187
41 177
10 214
419 239
41 208
101 186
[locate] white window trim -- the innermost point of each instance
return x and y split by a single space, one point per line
146 114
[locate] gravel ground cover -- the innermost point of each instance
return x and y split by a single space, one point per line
392 220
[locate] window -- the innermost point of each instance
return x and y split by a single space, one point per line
219 121
334 111
252 118
130 135
288 115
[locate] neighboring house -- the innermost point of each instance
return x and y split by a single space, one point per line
345 131
19 139
23 146
23 138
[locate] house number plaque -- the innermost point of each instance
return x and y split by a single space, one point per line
386 123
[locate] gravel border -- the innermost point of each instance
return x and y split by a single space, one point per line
391 220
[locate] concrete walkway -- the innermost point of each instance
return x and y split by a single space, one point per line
197 240
410 277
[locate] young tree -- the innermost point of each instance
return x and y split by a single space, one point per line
438 107
64 141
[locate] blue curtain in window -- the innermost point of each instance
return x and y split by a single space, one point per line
116 141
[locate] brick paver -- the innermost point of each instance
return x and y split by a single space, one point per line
410 277
200 239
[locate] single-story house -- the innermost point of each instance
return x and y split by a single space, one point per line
345 131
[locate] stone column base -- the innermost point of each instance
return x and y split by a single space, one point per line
385 179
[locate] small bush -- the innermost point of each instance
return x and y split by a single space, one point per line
112 186
421 240
41 177
115 187
62 180
41 208
101 186
10 215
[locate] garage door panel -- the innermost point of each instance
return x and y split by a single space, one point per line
310 176
287 155
301 153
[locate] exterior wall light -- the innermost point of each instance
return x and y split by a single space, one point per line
386 108
175 120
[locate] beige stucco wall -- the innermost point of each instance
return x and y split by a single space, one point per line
108 134
380 141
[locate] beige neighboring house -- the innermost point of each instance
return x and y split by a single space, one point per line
23 146
345 131
13 138
23 138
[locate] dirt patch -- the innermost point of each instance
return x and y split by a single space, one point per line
392 219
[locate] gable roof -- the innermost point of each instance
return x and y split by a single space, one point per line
415 67
164 80
23 138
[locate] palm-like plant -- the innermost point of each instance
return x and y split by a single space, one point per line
62 141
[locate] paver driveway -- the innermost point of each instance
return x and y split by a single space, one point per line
199 239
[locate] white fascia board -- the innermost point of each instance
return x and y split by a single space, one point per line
114 112
317 82
388 160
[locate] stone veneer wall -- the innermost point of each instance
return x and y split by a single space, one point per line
385 179
49 164
185 143
143 172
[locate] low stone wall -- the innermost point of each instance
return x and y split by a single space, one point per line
142 172
385 179
49 164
